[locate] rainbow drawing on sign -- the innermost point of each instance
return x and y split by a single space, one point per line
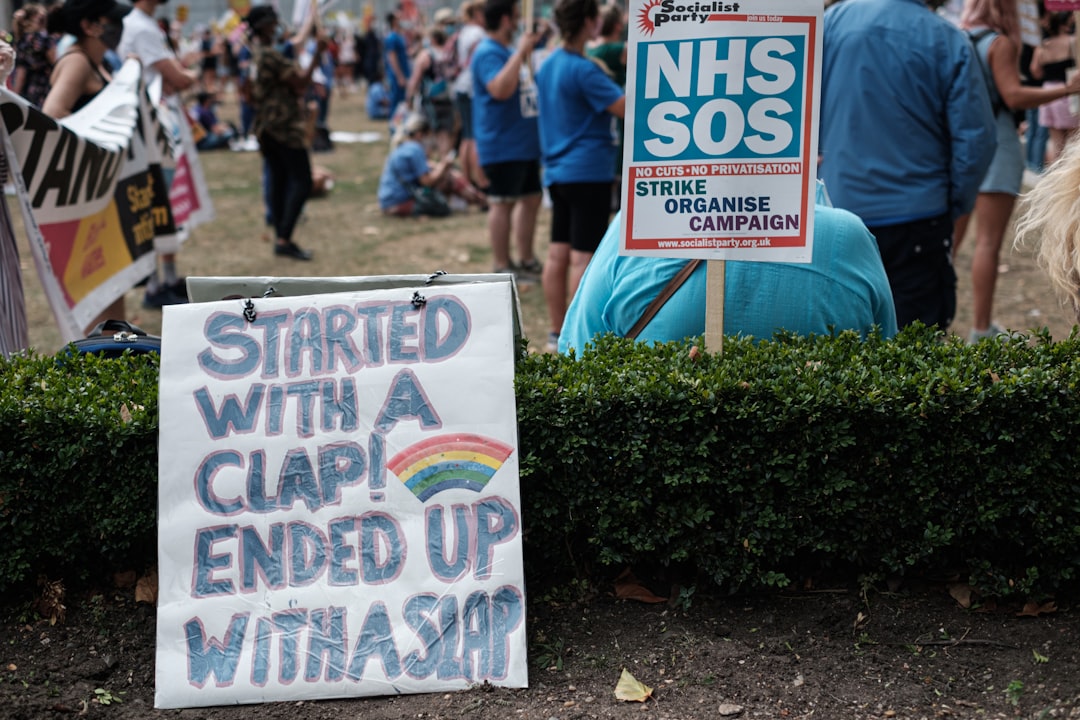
444 462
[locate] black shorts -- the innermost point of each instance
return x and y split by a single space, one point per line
512 180
918 260
580 214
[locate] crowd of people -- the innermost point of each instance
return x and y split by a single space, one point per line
962 93
524 113
957 104
493 111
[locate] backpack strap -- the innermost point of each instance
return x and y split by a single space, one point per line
665 293
996 103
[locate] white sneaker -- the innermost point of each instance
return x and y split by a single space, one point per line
993 331
552 343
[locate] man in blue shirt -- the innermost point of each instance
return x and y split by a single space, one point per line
397 62
907 133
507 139
844 288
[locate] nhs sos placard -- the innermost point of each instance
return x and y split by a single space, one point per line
721 133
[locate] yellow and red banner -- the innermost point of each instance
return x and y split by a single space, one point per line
95 191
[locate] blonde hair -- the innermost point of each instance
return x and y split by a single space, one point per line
1050 222
413 123
469 7
998 15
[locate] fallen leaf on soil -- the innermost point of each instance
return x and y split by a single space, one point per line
729 710
146 589
860 620
12 667
50 604
630 689
628 587
1034 609
961 593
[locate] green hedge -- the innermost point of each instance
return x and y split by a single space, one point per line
777 460
798 456
78 465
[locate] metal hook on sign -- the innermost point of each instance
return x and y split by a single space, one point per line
418 300
437 273
249 310
269 292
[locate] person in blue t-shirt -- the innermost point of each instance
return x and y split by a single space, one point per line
844 288
398 69
504 112
407 168
578 101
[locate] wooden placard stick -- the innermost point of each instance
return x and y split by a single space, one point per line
714 306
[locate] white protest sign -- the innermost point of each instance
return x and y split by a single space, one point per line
339 502
720 151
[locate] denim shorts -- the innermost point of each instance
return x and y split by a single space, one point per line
463 105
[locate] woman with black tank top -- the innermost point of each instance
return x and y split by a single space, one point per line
1051 63
80 73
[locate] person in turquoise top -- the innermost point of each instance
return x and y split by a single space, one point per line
578 101
844 288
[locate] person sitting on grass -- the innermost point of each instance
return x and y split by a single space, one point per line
410 186
217 135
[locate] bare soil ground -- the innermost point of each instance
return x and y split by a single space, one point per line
832 652
824 654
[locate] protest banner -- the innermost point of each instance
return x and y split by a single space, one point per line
338 484
94 196
89 212
189 195
720 149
